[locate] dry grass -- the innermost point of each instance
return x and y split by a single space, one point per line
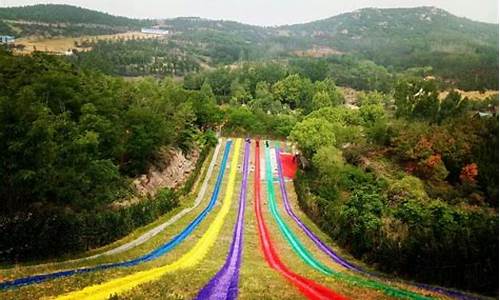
60 45
472 95
317 52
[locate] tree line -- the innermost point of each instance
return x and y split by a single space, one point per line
71 140
407 183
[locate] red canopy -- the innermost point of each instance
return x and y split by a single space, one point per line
289 163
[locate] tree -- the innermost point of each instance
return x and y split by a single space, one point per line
344 123
314 69
453 105
328 86
372 97
417 99
311 134
207 92
329 162
469 174
239 94
372 114
220 81
264 100
321 99
342 115
242 120
294 91
208 114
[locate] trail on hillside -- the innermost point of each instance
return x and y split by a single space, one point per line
147 257
309 288
188 260
224 285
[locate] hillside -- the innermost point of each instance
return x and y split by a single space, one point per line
462 51
363 27
411 37
383 190
459 51
50 20
59 13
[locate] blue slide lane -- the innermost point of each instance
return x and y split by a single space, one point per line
147 257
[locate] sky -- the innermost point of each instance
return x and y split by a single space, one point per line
268 12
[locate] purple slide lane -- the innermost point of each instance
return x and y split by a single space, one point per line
224 285
328 251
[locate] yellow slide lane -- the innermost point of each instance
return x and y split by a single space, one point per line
190 259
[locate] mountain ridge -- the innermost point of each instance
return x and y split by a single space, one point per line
456 48
27 8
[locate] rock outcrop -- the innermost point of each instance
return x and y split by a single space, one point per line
177 169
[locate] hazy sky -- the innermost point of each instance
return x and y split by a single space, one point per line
268 12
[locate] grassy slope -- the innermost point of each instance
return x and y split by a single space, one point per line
257 281
56 287
65 262
293 198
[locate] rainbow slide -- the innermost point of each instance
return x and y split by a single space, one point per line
147 257
188 260
301 251
224 285
334 256
308 287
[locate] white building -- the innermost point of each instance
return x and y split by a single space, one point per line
6 39
154 31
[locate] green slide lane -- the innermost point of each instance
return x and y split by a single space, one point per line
309 259
297 246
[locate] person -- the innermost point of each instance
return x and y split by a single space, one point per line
267 144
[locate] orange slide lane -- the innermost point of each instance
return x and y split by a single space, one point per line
309 288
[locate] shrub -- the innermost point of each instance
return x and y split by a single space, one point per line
55 231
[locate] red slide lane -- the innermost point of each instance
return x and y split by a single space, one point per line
309 288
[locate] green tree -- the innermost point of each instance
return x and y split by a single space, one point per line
417 99
321 99
294 91
372 114
207 92
339 114
241 120
328 86
208 113
373 97
239 94
311 134
453 105
329 162
264 100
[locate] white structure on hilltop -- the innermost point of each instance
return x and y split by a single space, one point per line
6 39
154 31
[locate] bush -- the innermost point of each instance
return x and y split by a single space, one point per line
56 231
407 233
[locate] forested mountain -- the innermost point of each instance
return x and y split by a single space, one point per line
399 175
460 51
457 48
429 25
60 13
49 20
